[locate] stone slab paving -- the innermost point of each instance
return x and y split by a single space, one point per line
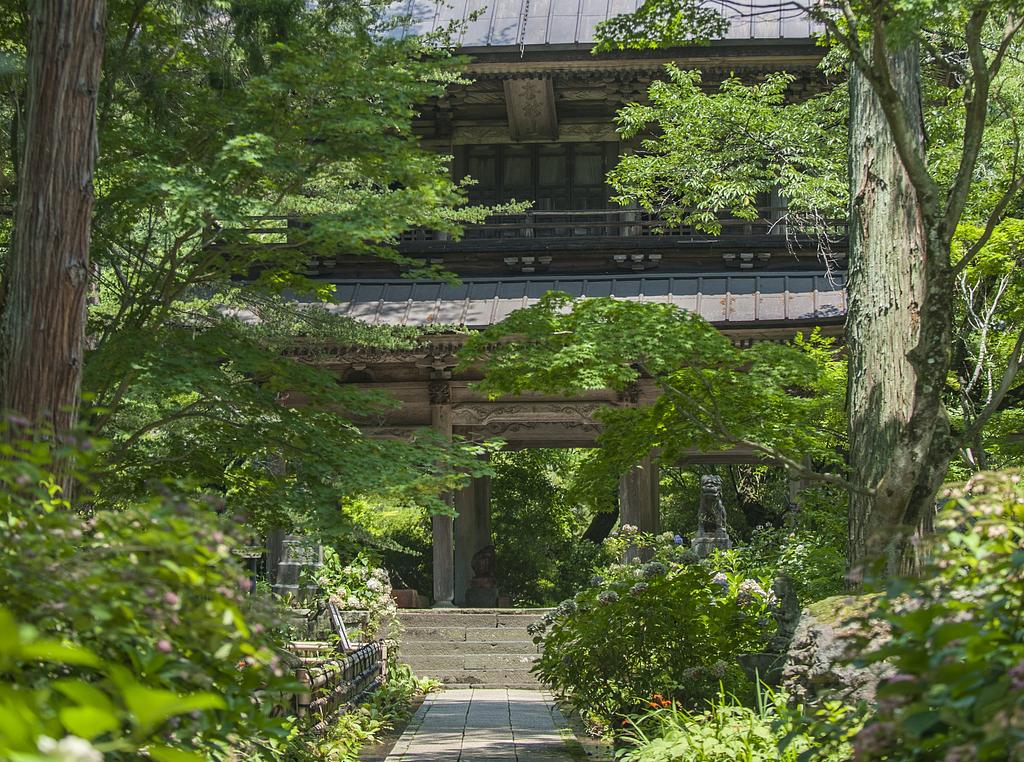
486 725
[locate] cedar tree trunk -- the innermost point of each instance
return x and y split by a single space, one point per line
894 332
43 322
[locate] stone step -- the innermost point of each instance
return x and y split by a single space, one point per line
534 686
473 647
488 678
431 664
461 634
477 618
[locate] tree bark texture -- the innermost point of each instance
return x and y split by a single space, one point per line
891 425
43 323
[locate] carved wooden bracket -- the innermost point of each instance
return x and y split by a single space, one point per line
440 392
531 109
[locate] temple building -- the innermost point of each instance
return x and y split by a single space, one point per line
536 124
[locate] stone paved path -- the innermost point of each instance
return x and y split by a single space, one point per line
486 724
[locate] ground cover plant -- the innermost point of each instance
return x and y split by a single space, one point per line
728 730
367 723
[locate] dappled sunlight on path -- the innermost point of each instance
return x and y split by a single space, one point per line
486 724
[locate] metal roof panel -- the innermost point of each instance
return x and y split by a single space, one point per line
478 302
505 23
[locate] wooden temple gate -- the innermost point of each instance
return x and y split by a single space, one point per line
535 121
432 394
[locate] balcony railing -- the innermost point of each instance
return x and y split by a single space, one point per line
546 228
619 223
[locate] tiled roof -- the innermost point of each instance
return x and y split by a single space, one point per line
727 298
501 23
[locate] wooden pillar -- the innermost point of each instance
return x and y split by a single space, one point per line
638 499
465 531
442 526
482 494
472 532
653 518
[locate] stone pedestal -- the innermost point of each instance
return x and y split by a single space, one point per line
299 558
482 597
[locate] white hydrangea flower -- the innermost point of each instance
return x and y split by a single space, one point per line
69 749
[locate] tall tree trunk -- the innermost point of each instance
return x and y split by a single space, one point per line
43 323
888 246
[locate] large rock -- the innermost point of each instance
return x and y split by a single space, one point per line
830 634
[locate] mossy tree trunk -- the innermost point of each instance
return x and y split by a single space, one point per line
898 328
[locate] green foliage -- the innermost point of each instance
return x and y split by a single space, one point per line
400 536
153 594
784 400
715 152
359 586
657 23
537 526
729 731
809 549
725 151
100 710
217 123
957 643
248 411
386 708
673 626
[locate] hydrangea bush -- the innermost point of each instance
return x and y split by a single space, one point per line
957 642
359 585
672 626
155 595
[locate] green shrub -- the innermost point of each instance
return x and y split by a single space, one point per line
359 585
673 626
728 731
810 550
957 642
537 525
61 701
155 593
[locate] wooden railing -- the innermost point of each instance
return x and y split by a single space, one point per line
625 223
549 226
335 682
336 675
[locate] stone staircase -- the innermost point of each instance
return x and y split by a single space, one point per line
480 648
